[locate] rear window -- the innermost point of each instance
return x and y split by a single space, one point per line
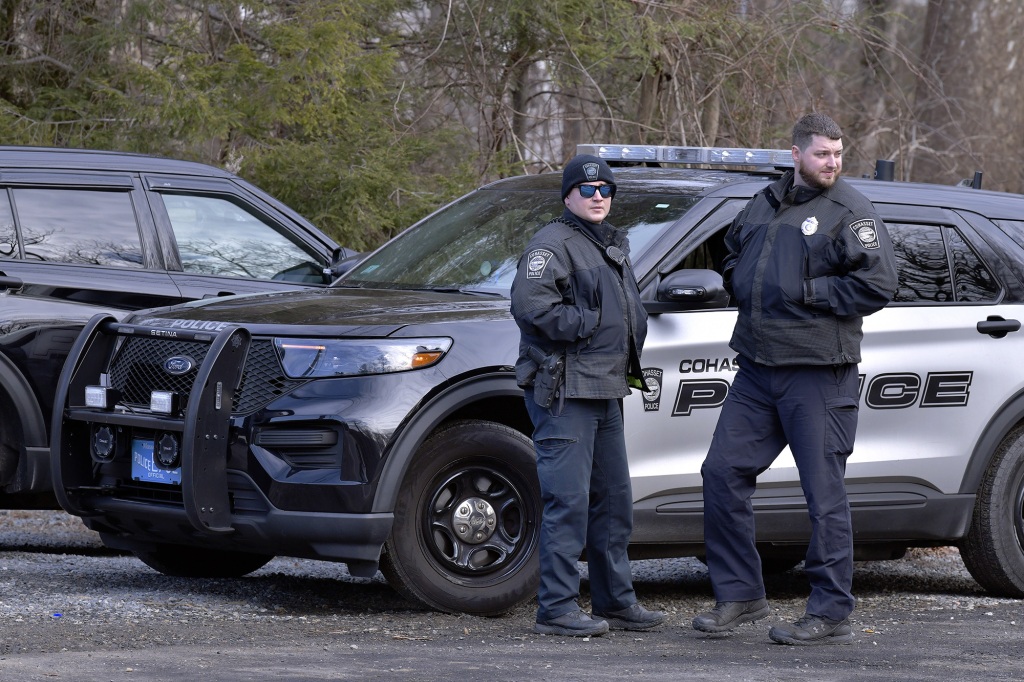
95 227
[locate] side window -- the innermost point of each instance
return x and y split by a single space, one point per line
95 227
972 281
709 254
1014 228
218 237
8 235
937 266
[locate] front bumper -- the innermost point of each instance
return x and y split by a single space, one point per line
355 539
256 483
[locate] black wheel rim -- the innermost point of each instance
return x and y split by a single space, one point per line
479 522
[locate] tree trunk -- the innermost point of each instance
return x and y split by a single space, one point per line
969 109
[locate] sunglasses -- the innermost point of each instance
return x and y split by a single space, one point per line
587 191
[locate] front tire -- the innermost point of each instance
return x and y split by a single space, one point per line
467 522
993 550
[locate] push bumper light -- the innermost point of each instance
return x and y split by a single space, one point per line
101 397
164 402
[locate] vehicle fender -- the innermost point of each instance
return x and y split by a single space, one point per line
1002 422
23 399
31 470
409 438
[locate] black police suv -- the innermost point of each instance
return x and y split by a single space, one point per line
83 232
377 421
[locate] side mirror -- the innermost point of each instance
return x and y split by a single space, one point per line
689 290
342 261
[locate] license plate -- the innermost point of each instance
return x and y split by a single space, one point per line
145 468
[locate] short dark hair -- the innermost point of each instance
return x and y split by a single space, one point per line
815 124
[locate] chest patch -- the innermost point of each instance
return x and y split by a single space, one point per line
536 262
866 232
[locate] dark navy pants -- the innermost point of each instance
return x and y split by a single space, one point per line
588 502
813 409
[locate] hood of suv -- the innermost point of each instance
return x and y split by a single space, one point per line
335 311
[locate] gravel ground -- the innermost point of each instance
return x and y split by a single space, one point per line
110 617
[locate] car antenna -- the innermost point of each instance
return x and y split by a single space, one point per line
974 183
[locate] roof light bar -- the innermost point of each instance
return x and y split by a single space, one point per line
698 156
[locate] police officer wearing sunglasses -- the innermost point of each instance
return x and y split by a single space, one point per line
582 326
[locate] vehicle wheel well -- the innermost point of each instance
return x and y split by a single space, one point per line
507 410
494 398
18 399
993 549
11 438
1005 426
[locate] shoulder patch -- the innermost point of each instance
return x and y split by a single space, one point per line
536 262
866 232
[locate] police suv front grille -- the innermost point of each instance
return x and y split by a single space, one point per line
138 369
262 379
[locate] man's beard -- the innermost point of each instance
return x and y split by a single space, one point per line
816 183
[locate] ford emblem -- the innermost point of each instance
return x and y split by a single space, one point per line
178 365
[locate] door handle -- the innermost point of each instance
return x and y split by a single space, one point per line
997 327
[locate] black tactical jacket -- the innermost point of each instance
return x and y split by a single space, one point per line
575 292
804 267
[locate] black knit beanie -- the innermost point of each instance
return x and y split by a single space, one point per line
582 169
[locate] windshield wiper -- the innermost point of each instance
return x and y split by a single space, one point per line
463 290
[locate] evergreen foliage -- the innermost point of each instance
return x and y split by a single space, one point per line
366 114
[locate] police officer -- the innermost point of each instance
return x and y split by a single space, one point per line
582 328
807 259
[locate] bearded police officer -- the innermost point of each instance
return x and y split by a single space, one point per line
807 259
582 328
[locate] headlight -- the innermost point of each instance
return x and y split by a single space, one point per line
305 358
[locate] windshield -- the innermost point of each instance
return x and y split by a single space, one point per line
475 243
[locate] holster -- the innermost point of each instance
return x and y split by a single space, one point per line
547 383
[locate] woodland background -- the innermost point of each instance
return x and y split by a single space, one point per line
366 114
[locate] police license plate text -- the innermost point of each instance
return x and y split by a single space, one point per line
145 468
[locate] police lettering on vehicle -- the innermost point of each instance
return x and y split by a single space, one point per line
703 394
194 325
699 365
890 391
